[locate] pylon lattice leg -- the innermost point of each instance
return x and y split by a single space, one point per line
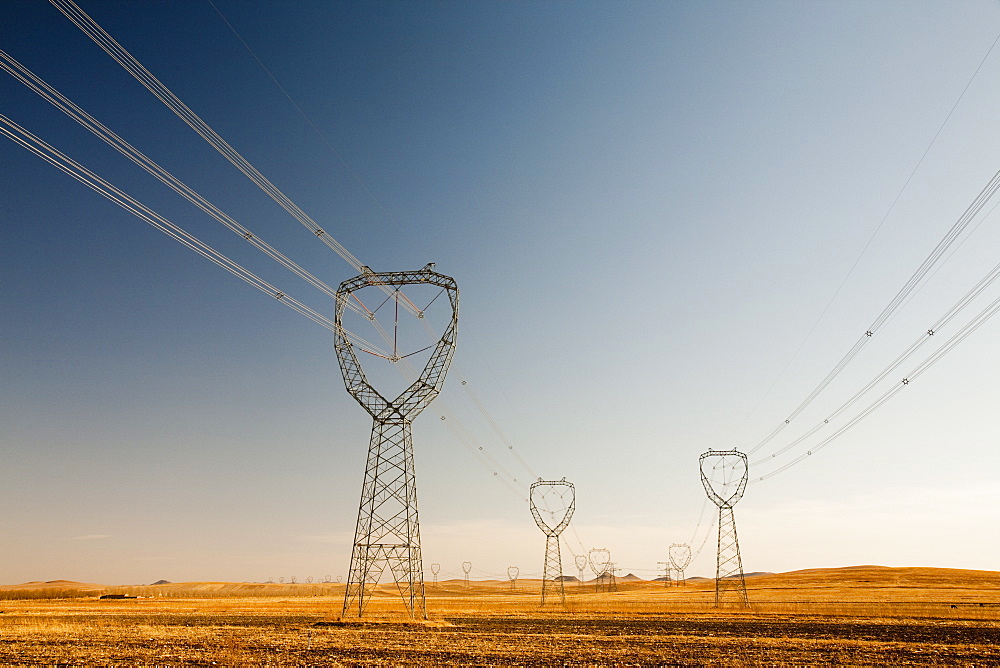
552 582
388 531
729 580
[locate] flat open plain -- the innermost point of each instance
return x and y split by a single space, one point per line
850 616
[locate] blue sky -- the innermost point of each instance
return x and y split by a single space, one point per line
647 207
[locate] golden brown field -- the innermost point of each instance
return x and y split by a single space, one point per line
852 616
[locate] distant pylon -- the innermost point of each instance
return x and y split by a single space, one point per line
724 476
600 564
435 569
467 568
552 505
680 558
581 566
512 573
666 572
388 531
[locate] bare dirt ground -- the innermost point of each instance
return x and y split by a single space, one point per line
857 616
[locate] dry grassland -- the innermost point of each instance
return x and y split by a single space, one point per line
855 616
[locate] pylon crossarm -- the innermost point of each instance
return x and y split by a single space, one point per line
428 385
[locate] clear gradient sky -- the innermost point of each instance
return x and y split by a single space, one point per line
647 206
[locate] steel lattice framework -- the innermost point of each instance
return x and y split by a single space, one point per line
467 568
666 572
388 531
724 476
680 558
581 566
600 563
512 573
552 505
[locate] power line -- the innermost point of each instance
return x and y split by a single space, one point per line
64 163
978 321
165 95
933 330
895 303
864 250
68 107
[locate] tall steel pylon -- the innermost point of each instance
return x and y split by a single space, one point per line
600 563
680 558
724 476
512 573
552 505
388 531
666 572
581 566
467 568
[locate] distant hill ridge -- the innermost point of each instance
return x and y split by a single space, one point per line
848 576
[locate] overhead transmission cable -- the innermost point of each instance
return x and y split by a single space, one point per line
68 107
56 158
871 238
932 359
894 304
933 330
100 37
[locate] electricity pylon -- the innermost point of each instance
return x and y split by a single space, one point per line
552 505
512 573
581 566
724 476
600 563
435 569
680 558
388 531
666 572
466 568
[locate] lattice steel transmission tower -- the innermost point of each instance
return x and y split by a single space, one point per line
600 564
512 573
666 572
724 476
466 568
388 531
581 566
435 569
552 505
680 558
